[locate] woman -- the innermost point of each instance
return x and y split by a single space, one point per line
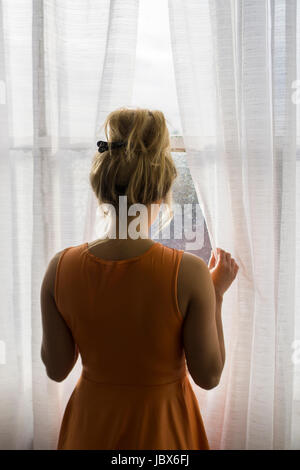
140 314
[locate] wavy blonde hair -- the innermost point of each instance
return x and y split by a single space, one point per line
143 169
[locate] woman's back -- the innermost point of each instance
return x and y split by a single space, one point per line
125 320
123 314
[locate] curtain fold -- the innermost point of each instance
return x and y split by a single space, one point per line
234 64
64 66
13 393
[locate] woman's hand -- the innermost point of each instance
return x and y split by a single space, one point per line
223 271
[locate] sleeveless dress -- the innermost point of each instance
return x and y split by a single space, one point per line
134 391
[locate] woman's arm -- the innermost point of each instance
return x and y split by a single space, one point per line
58 350
202 330
223 271
200 335
219 302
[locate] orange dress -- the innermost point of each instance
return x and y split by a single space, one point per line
134 391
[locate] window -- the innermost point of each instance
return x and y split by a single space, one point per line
155 88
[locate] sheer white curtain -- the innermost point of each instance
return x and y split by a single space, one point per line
235 62
63 67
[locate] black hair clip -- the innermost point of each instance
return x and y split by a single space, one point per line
103 146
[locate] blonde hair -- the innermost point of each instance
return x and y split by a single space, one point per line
143 169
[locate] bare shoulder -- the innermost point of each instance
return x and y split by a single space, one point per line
193 261
191 266
50 274
193 273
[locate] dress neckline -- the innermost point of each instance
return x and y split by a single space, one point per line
118 261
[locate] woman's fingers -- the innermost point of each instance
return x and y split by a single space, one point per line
225 256
212 260
225 270
234 266
221 255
